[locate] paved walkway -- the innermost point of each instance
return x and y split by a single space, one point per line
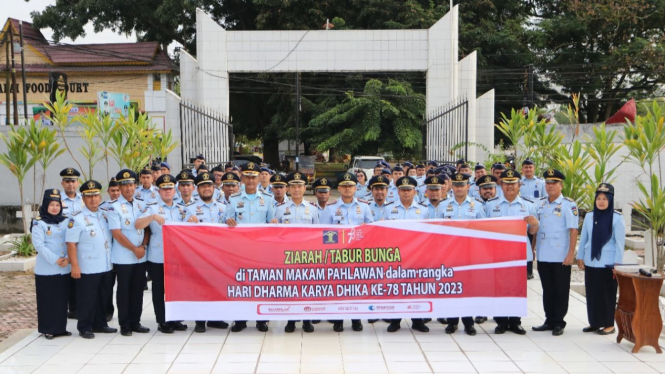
371 351
18 303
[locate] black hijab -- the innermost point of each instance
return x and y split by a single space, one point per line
602 221
51 219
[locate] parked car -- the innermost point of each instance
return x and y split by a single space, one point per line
365 163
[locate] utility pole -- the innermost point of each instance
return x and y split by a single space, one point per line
297 120
25 84
7 46
14 86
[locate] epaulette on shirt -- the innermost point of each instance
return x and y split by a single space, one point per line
138 198
527 199
332 202
569 199
494 198
76 213
543 198
153 203
282 203
479 200
236 194
267 193
617 212
423 204
363 201
112 201
386 204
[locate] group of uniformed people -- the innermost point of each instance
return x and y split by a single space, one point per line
85 245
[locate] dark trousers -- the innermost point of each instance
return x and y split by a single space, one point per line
601 296
157 273
529 264
72 295
110 309
129 297
92 295
341 320
508 320
555 279
467 321
52 296
413 320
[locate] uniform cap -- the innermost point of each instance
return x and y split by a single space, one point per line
156 168
146 172
165 181
434 182
217 168
479 167
605 188
406 182
277 180
113 182
465 166
487 181
432 163
250 168
185 176
203 178
347 179
70 173
379 165
321 184
461 161
553 175
420 166
202 167
378 181
165 165
296 178
267 170
398 168
126 176
52 195
91 188
527 161
200 157
460 178
510 176
230 178
385 171
499 166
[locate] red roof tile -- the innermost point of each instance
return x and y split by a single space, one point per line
30 35
109 54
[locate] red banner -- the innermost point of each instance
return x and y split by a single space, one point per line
388 269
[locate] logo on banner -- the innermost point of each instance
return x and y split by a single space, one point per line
330 237
314 309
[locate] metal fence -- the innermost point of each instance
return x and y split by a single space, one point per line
447 132
204 131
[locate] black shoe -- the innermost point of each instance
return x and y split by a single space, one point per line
372 320
179 326
307 326
419 326
87 335
200 327
109 317
517 329
500 329
49 336
338 326
145 288
105 330
426 320
140 329
237 326
529 276
262 326
387 320
543 327
590 329
470 330
442 321
394 326
290 327
603 332
315 321
450 329
124 332
165 328
71 315
356 325
480 320
66 333
557 331
218 324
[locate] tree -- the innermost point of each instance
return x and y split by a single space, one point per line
386 117
608 50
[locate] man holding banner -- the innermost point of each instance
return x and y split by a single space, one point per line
296 211
250 206
406 208
511 204
347 210
461 206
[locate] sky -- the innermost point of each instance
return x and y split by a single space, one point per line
20 9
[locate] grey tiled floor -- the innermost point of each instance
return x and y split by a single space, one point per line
372 351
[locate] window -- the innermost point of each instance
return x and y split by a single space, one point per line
156 82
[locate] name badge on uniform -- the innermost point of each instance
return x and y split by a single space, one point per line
241 204
358 209
161 210
338 212
557 210
394 211
123 208
93 233
536 193
127 222
48 231
262 202
152 195
287 212
449 208
286 221
306 210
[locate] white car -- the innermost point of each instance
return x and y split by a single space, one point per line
365 163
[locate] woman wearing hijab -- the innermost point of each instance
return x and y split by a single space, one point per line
601 246
52 266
